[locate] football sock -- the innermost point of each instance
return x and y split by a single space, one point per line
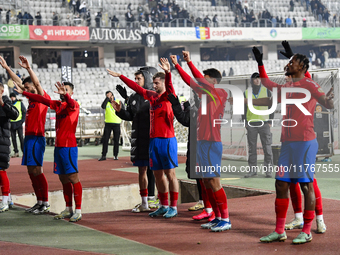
281 208
78 193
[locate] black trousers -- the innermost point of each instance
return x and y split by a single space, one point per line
106 136
14 139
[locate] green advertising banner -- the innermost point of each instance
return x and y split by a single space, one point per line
320 33
14 32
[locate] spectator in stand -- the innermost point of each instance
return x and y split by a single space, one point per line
166 18
310 56
18 74
320 14
294 22
140 9
88 18
114 22
78 6
236 20
129 16
74 5
239 6
213 3
215 20
25 18
232 3
334 19
274 22
98 18
304 22
82 9
251 16
231 72
76 20
141 18
8 16
149 19
245 10
338 54
288 21
198 21
55 19
279 21
156 18
38 18
206 21
291 3
129 8
326 55
326 15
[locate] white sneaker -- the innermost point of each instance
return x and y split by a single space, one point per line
295 223
320 226
3 207
75 217
140 208
64 214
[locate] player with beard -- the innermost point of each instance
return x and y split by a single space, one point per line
299 144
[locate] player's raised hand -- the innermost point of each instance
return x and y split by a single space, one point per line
186 56
17 88
112 73
61 88
330 94
3 62
122 91
174 59
173 99
24 62
116 106
165 65
258 56
288 53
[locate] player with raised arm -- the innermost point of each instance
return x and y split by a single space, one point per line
163 143
295 192
34 143
299 144
209 145
66 150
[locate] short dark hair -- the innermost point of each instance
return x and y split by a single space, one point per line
69 84
107 92
303 59
138 73
27 79
213 73
160 75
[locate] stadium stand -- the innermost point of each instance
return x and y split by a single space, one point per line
196 8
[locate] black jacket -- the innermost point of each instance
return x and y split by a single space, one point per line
138 111
18 124
7 112
188 118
